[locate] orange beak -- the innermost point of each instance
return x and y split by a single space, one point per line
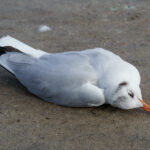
145 106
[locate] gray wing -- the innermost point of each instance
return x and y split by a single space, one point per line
63 79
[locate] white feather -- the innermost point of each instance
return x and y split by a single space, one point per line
10 41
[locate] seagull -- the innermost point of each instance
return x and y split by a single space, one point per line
88 78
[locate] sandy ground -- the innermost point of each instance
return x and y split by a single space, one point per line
122 26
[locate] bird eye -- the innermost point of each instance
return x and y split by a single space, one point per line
131 94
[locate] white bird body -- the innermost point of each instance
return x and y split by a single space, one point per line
77 79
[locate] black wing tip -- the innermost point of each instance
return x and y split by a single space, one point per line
2 51
5 49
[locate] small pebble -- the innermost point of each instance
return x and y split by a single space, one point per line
44 28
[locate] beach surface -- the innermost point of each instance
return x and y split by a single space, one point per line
123 27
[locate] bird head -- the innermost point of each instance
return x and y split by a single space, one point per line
122 88
128 96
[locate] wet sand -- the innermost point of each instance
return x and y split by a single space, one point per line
28 123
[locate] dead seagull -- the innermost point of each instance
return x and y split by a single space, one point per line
86 78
